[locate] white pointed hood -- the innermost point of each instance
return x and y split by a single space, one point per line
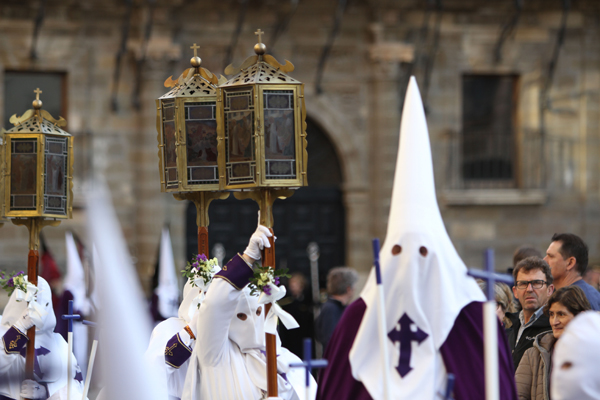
168 285
425 281
75 280
124 319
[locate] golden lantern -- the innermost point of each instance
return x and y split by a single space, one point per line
38 166
263 137
187 120
37 189
264 130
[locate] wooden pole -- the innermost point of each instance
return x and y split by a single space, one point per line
34 226
270 339
202 200
32 273
203 240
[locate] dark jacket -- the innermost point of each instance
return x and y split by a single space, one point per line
330 315
542 324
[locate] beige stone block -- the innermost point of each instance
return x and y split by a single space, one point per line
473 230
531 34
552 19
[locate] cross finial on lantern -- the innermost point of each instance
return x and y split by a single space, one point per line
37 92
259 33
195 47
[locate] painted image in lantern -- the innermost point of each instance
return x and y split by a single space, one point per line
279 134
240 134
55 174
170 151
201 142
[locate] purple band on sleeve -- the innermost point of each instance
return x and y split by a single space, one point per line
236 272
176 353
14 341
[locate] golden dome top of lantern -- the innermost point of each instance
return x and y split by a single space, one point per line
193 82
38 120
186 121
38 164
264 128
261 68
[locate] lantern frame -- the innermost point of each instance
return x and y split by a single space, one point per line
39 127
196 85
259 74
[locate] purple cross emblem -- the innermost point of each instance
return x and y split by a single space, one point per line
406 336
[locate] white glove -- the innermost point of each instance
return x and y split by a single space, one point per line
25 321
33 390
258 241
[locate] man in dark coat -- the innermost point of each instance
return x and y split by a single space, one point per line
340 289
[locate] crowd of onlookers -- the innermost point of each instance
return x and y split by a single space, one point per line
551 322
555 355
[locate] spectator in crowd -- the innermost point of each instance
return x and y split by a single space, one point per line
533 374
504 301
521 253
533 286
575 372
525 251
299 305
592 276
340 290
567 256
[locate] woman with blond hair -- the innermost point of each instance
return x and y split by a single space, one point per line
504 301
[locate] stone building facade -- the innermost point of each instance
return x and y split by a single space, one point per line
550 134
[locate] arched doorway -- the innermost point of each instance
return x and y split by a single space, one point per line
314 213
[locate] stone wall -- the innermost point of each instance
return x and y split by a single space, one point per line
359 108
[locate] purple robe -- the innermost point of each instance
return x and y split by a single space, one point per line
462 353
62 325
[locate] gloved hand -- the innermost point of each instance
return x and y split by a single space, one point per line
33 390
25 321
258 241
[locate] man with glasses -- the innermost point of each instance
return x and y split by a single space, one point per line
533 287
567 256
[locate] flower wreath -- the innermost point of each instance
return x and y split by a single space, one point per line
12 281
266 282
264 278
200 270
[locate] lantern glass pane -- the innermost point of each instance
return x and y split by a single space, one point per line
169 139
239 134
23 172
280 144
201 143
56 175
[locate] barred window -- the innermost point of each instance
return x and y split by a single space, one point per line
488 134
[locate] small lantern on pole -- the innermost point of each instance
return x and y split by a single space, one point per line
187 121
264 128
264 140
37 190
